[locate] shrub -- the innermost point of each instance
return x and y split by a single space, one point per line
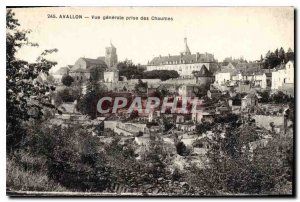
67 80
19 178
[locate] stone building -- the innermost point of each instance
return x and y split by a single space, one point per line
102 68
85 68
111 57
204 76
185 63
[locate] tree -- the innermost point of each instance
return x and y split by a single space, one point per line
265 96
141 86
67 80
96 72
87 104
290 55
129 70
161 74
281 55
22 90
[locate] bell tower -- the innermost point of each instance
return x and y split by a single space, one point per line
111 57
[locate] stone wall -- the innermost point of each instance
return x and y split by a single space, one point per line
264 121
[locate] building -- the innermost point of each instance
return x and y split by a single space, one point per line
187 90
61 72
214 94
85 68
111 57
249 100
111 75
266 80
185 63
204 76
102 68
226 74
284 76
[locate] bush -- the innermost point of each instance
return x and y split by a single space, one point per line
66 95
182 150
20 178
67 80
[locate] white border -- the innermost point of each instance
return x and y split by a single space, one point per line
4 3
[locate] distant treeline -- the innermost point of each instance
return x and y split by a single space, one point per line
273 59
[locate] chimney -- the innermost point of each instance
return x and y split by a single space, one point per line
169 55
159 56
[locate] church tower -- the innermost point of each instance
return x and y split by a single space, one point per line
186 48
111 57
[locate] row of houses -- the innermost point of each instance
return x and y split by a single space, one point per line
275 79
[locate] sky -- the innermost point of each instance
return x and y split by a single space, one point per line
222 31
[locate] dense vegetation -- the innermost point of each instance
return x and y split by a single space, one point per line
273 59
131 71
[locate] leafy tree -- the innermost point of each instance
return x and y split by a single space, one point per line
96 73
87 104
67 80
22 90
141 86
181 149
265 97
129 70
204 127
280 97
161 74
67 95
290 55
281 55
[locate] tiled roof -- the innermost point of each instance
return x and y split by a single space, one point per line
204 72
90 61
182 59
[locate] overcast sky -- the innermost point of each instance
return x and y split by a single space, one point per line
223 31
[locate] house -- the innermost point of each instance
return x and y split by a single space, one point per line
225 74
111 75
204 115
214 94
224 109
61 72
266 80
283 75
243 88
187 90
249 100
204 76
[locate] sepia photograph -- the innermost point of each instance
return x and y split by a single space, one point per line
150 101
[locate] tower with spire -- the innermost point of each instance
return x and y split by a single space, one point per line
186 48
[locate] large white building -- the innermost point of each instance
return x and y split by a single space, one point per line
185 63
283 76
